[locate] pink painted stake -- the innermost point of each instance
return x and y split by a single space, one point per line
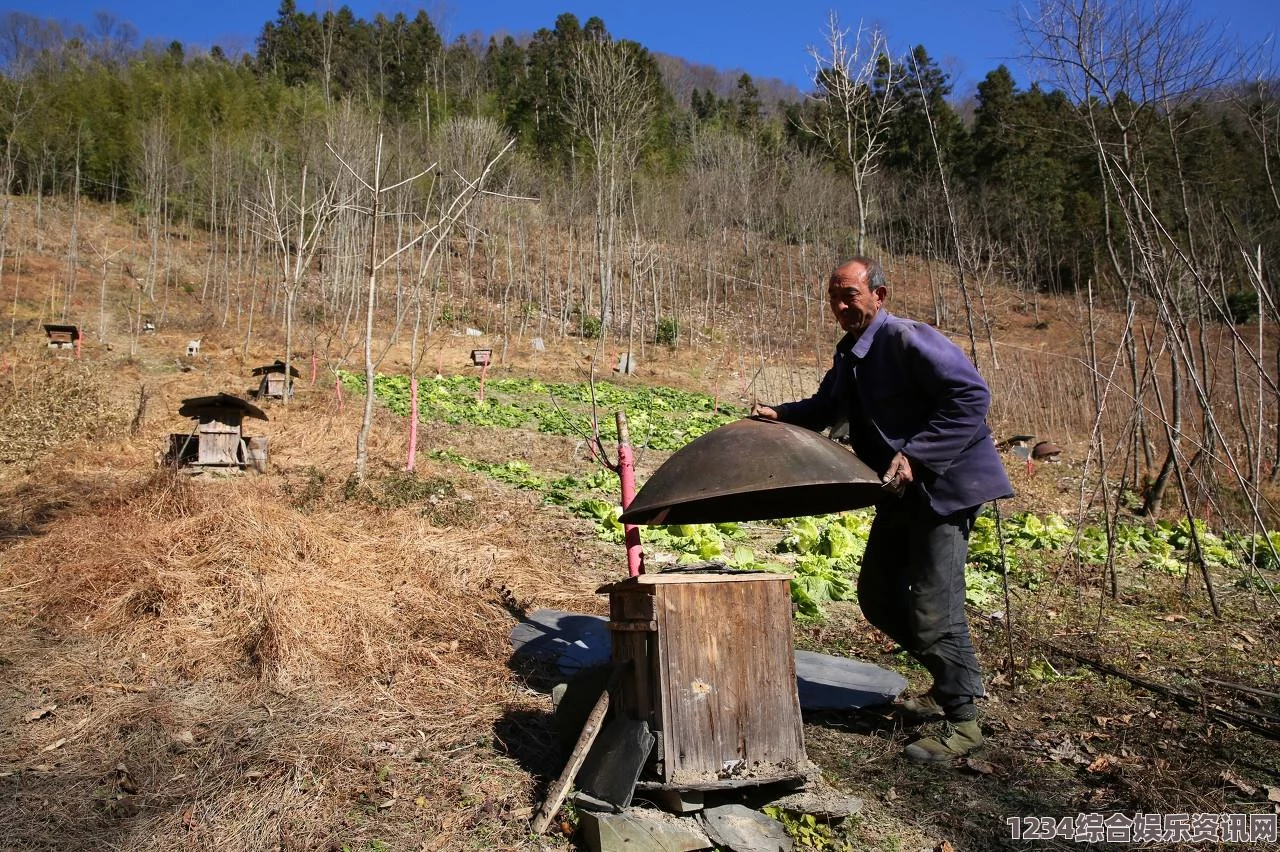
627 473
484 369
337 392
313 369
413 423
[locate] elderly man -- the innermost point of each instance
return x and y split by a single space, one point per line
916 411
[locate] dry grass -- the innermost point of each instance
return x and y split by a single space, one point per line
276 662
48 402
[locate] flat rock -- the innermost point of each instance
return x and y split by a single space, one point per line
822 801
677 801
573 642
743 830
614 763
839 683
636 830
570 641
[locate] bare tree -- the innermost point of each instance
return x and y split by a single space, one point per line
432 227
608 99
1134 67
294 223
854 105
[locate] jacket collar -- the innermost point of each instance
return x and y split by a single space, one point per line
859 348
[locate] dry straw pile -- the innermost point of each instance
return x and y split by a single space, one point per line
46 403
266 663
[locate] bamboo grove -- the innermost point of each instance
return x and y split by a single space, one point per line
363 184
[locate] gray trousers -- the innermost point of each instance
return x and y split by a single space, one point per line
911 587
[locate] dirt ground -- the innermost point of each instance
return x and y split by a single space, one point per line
287 662
296 662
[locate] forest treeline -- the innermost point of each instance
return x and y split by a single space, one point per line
365 183
93 112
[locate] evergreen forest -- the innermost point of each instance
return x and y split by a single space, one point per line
352 175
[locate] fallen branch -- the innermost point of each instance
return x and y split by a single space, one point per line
1239 687
1187 701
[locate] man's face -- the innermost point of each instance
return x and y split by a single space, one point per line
852 301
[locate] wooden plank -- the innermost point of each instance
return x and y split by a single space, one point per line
637 606
642 626
561 788
635 695
728 677
219 448
663 578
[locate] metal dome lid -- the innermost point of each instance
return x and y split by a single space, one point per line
750 470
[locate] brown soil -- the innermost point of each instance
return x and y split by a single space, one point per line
289 662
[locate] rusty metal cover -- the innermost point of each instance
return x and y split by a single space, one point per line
750 470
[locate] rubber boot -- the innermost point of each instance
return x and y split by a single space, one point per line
959 739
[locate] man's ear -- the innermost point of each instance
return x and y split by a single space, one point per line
882 293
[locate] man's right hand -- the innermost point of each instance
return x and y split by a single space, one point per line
764 412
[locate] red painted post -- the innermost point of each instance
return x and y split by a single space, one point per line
627 474
313 369
484 369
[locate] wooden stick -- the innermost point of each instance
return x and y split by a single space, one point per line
1241 687
1186 701
560 789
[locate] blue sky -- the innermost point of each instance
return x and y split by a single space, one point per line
766 39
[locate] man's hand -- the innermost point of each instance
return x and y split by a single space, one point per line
764 412
898 476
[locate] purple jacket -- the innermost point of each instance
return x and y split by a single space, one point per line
904 387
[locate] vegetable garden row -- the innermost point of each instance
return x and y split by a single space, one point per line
822 553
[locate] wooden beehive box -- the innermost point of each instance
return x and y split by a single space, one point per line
276 382
273 385
219 432
62 336
713 674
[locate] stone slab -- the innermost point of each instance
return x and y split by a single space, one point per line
741 829
637 830
822 801
616 758
573 642
569 641
825 682
677 801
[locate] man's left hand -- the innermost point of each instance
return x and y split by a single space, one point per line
898 476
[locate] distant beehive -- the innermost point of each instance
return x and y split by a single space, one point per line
1045 451
274 385
63 336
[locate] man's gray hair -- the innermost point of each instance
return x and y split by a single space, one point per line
875 272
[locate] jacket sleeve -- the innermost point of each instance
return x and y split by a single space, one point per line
958 416
818 411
